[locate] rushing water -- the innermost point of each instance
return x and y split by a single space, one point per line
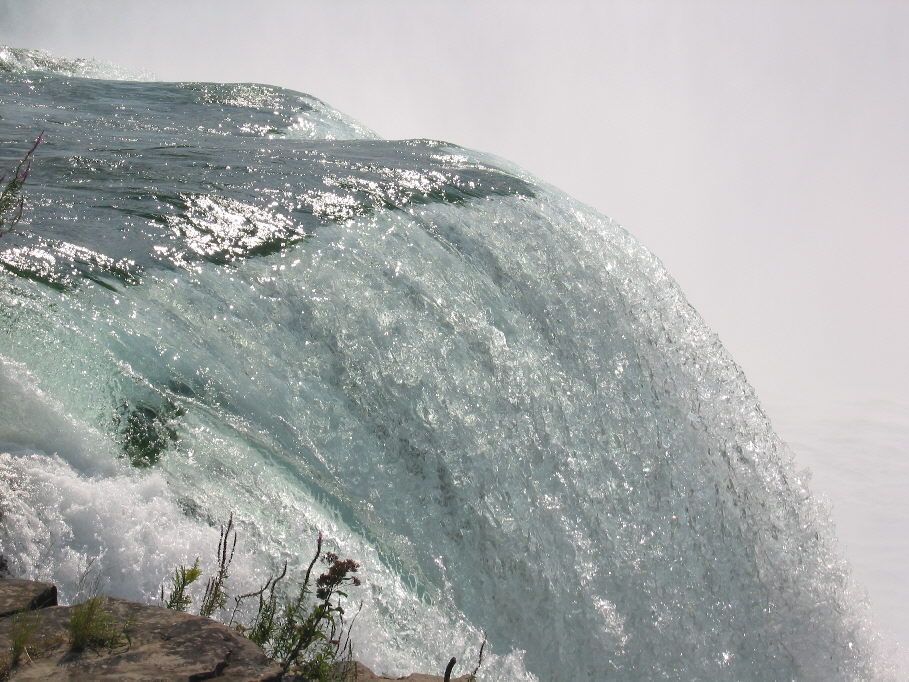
230 298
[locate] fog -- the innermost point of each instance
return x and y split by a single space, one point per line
761 150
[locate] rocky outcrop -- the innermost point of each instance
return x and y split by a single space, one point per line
159 645
25 595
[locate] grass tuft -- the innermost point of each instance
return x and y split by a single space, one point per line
93 626
24 626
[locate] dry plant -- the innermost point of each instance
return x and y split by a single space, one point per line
11 203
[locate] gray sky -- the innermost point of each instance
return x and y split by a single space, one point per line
760 149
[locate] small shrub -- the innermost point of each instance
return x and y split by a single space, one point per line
178 600
93 626
215 597
24 626
11 203
263 624
305 634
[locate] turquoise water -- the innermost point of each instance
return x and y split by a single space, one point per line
230 298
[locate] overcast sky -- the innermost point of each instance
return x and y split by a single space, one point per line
760 149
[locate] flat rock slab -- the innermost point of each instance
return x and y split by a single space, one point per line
25 595
161 645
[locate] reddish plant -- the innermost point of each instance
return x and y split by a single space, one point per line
338 574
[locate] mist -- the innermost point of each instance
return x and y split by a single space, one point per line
759 149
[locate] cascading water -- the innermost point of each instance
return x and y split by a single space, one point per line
232 298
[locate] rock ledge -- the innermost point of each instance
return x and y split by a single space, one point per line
163 645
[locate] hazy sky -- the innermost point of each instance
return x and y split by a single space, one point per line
760 149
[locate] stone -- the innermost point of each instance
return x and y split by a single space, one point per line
160 645
25 595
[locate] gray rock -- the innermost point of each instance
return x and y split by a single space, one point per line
159 645
25 595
